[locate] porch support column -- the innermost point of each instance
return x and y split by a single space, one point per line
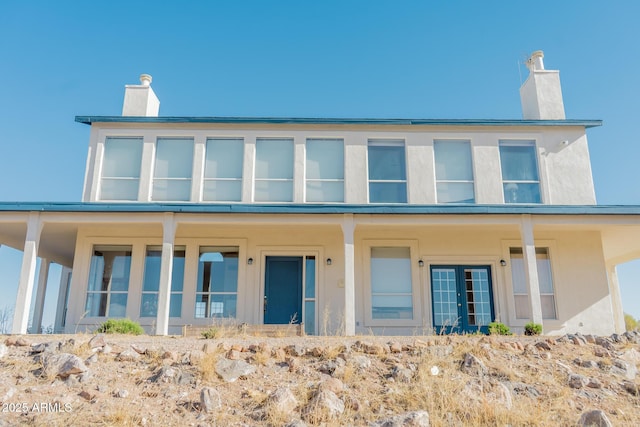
531 268
166 270
27 275
348 228
616 299
43 277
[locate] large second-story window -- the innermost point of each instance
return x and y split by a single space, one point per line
325 170
454 171
274 170
121 169
223 170
520 180
387 171
173 168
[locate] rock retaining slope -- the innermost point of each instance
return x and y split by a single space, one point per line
78 380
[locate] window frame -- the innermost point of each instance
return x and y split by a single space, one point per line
210 293
387 142
172 292
168 180
205 179
552 253
291 180
455 181
308 180
521 143
137 179
109 292
417 319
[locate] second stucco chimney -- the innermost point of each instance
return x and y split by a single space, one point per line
541 95
140 100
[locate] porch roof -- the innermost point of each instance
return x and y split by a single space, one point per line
293 208
338 121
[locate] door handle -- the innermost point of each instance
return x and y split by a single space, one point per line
264 305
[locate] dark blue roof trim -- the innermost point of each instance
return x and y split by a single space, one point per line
337 121
200 208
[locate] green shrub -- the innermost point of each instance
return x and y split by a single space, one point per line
211 333
121 326
497 328
532 328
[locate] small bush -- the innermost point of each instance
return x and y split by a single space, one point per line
121 326
211 333
497 328
532 328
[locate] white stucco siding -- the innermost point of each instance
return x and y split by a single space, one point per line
565 171
582 292
568 169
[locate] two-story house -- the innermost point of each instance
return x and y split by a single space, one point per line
345 225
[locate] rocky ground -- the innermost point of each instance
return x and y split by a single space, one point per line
105 380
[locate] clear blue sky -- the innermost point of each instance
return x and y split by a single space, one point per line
412 59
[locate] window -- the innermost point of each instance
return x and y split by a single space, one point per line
391 287
310 295
387 171
454 171
223 170
121 169
325 170
217 287
274 170
519 172
108 281
172 173
151 282
545 280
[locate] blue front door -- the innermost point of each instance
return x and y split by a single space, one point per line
462 298
283 290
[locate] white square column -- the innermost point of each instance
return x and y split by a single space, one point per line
27 275
348 228
531 268
43 277
166 270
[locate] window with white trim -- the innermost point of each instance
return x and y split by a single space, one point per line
274 170
223 170
454 171
151 282
309 295
519 165
108 285
325 170
545 281
387 171
217 287
391 284
173 169
121 169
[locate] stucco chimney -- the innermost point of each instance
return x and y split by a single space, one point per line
140 100
541 95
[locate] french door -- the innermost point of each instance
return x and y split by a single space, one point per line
462 298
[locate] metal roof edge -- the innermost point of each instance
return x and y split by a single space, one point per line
233 208
338 121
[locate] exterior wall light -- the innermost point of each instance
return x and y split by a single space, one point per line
420 263
503 263
250 261
329 261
